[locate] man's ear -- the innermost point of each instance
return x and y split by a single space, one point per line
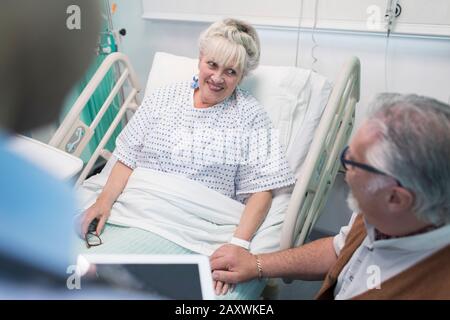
400 199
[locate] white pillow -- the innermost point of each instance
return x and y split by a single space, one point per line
294 98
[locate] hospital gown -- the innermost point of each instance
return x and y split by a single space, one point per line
230 147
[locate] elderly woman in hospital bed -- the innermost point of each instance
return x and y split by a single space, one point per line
207 147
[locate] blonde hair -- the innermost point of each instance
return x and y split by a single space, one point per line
232 42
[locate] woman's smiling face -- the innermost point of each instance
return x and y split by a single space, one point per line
216 82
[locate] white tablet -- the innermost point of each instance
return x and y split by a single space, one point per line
186 277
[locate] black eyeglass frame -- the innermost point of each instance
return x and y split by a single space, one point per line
362 166
91 233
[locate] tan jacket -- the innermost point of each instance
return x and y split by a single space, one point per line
428 279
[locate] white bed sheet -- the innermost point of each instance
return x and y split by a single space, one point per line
182 211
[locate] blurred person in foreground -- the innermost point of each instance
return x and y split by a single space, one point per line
43 52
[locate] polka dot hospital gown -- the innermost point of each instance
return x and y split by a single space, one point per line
230 147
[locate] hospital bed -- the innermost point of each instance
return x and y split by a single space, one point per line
315 120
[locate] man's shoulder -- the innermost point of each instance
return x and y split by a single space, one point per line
340 238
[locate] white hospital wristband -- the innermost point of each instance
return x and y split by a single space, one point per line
241 243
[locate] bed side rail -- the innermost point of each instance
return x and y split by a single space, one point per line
322 163
73 134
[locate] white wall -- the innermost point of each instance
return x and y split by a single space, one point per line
415 65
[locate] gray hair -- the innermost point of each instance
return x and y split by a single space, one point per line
232 41
414 147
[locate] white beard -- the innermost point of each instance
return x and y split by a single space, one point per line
353 203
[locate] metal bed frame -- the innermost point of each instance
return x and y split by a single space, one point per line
73 134
322 162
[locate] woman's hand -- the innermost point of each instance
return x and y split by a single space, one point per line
101 209
98 211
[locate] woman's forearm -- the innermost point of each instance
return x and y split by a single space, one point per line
254 214
117 181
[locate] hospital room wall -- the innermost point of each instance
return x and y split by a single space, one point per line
417 65
413 65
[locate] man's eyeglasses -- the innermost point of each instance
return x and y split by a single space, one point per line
91 237
346 162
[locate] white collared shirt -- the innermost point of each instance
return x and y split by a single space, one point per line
375 261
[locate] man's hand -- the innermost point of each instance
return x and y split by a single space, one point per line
233 264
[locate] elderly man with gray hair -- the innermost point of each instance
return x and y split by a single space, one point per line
397 244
